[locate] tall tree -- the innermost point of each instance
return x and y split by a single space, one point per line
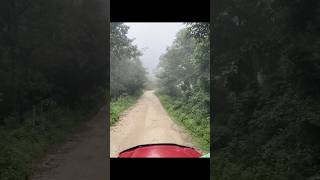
127 75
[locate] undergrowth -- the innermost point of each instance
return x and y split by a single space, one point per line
195 121
120 104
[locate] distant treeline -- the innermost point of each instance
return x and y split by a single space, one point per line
127 75
266 90
183 80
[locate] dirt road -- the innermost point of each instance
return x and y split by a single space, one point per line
145 122
84 157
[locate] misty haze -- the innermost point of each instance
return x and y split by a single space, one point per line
153 39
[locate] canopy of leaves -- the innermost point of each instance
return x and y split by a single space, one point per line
184 69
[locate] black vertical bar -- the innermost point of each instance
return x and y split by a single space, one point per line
108 90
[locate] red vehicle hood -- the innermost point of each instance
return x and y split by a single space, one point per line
160 151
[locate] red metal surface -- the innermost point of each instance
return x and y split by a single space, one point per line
160 151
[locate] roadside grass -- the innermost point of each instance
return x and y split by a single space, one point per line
119 105
45 128
195 121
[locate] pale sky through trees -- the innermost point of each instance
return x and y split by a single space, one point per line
153 39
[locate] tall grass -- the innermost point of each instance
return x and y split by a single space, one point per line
195 121
120 104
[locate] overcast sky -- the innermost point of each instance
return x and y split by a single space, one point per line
153 39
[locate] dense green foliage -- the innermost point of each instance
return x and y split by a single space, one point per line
190 118
119 105
184 80
53 70
266 90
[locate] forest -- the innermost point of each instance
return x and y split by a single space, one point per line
53 72
184 81
266 79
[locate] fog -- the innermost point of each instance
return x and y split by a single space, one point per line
153 39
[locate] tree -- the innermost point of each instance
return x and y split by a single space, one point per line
127 74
